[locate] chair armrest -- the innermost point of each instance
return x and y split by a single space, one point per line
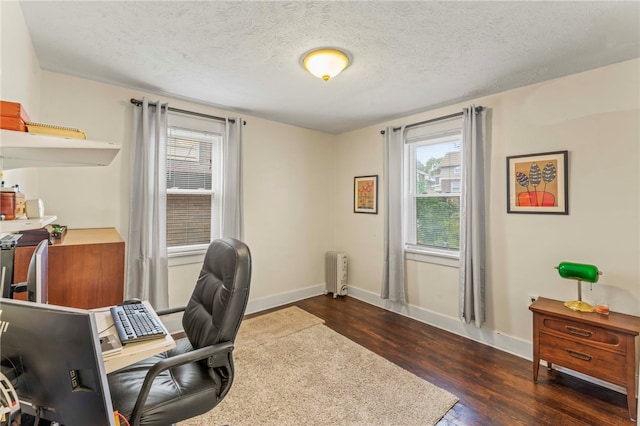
19 287
169 311
191 356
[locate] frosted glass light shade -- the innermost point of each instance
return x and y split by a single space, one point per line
325 63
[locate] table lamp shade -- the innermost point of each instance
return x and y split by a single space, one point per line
579 272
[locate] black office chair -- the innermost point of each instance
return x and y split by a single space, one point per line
196 375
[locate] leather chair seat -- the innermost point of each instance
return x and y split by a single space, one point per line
176 394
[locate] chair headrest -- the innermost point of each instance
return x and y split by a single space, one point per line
219 300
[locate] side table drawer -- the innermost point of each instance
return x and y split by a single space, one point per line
596 362
575 330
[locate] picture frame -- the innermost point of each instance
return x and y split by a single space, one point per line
538 183
365 194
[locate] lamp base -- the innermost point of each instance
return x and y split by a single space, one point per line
579 305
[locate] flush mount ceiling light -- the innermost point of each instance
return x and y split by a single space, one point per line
325 63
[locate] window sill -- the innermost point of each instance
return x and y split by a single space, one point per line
186 257
449 260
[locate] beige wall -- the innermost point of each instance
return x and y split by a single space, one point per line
19 64
19 80
595 116
288 175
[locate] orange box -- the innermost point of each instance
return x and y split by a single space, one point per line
8 205
14 109
12 203
12 123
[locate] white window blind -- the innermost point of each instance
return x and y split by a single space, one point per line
190 159
193 188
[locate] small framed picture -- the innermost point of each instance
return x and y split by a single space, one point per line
365 194
537 183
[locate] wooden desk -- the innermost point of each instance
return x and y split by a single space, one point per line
132 352
601 346
86 268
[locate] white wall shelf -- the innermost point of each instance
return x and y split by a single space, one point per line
22 149
17 225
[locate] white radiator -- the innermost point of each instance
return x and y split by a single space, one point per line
335 273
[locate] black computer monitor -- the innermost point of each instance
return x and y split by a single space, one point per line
38 273
52 356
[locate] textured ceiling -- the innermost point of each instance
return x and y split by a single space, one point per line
407 56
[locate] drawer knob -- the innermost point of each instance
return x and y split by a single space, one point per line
579 355
578 331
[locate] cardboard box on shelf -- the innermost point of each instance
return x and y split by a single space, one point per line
14 109
12 123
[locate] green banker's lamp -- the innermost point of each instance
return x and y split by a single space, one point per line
580 272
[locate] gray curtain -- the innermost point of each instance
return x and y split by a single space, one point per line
472 220
147 265
232 206
393 262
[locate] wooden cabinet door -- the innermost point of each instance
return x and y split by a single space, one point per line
87 275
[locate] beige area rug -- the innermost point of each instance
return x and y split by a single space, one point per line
293 370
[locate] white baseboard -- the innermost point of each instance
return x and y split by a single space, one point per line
510 344
263 303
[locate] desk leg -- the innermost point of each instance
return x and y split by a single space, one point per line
631 377
631 401
536 349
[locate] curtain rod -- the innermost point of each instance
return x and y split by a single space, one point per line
433 120
138 102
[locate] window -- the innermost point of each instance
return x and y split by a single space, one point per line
433 185
193 188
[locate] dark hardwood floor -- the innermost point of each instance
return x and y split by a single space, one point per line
494 387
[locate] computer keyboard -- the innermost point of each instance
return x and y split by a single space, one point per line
7 241
134 323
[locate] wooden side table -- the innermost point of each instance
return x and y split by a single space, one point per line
601 346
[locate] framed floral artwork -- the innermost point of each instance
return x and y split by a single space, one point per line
365 194
537 183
